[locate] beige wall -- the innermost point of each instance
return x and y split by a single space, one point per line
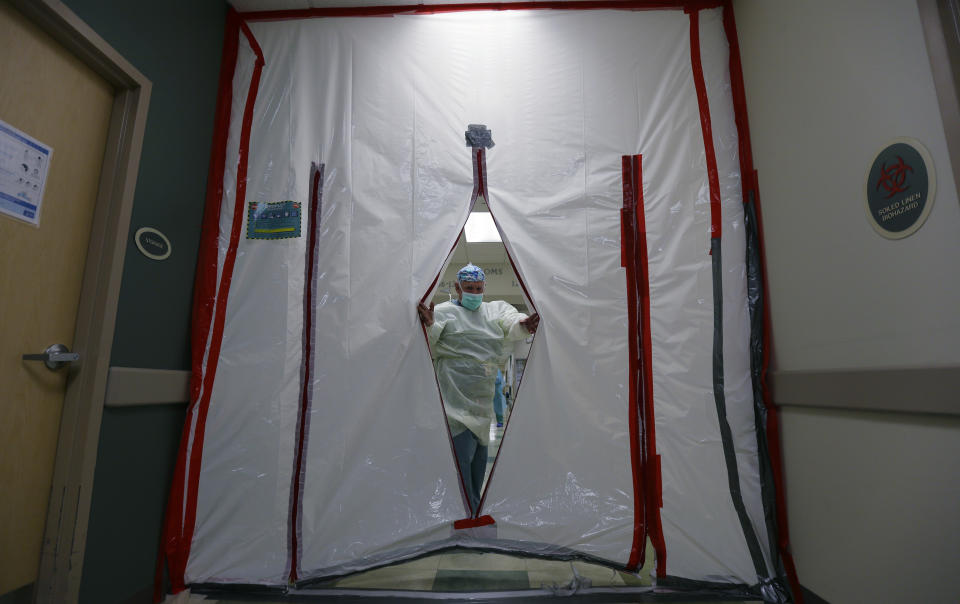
874 504
873 498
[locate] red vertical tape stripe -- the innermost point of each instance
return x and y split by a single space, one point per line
205 285
306 374
750 183
628 230
702 100
652 485
201 407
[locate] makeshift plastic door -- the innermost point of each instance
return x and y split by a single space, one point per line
316 443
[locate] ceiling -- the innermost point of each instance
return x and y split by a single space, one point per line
487 253
479 253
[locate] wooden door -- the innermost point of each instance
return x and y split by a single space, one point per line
48 93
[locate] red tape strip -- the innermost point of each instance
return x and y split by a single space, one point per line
652 489
205 285
629 257
433 9
466 523
203 405
749 178
703 101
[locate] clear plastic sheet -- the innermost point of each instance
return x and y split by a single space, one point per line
354 469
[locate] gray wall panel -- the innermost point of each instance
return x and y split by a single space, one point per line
177 45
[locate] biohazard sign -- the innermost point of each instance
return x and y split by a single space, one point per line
900 189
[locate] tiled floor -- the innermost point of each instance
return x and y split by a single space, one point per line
476 571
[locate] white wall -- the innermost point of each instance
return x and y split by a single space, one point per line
873 499
828 85
874 504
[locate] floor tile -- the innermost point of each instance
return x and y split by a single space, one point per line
601 576
546 579
480 561
551 572
540 564
425 563
480 580
635 580
391 578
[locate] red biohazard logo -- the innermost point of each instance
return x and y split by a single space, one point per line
893 179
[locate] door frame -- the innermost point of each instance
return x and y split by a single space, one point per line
65 534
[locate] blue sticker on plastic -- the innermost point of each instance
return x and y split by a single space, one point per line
273 220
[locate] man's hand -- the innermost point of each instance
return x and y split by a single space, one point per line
426 314
531 323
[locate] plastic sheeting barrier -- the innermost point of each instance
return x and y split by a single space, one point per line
316 443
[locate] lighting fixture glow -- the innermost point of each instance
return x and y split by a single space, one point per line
481 228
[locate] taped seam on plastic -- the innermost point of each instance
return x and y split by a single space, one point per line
652 488
205 282
477 156
421 9
726 437
221 304
659 480
436 380
298 476
776 519
481 162
771 427
473 522
712 176
481 158
201 316
624 218
628 246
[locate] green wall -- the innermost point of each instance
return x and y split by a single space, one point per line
177 45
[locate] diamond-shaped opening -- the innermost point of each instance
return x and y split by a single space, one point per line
477 353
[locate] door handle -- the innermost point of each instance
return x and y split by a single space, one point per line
54 357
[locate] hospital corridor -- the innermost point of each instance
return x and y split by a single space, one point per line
586 301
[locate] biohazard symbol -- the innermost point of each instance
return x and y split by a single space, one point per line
894 178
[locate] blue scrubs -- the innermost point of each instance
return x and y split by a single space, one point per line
498 400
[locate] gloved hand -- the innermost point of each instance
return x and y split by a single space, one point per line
426 314
531 323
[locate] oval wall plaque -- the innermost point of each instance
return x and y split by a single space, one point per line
152 243
900 188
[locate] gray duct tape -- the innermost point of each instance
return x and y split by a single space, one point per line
724 591
478 135
755 303
729 455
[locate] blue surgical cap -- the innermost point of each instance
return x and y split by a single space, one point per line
471 272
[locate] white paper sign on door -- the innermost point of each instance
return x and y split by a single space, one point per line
24 162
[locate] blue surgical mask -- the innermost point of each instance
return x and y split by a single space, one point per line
471 301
